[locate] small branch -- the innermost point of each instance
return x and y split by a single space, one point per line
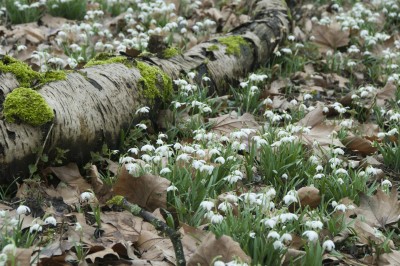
173 235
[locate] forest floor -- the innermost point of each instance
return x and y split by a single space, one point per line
299 164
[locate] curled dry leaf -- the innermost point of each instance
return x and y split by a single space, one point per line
359 145
155 248
147 191
387 93
379 210
330 37
309 196
224 247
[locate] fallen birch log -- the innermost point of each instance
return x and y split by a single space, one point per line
92 105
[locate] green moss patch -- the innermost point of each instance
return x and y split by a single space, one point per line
213 47
24 73
53 76
170 52
233 44
28 106
107 58
153 79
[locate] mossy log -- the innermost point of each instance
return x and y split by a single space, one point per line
92 105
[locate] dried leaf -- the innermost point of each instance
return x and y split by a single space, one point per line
314 117
70 175
379 210
155 248
309 196
148 191
330 37
129 226
389 259
386 94
224 247
359 145
228 123
321 133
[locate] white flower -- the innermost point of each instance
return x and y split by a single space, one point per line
328 245
165 170
286 237
278 244
35 228
220 160
172 188
273 234
219 263
340 207
269 222
50 220
315 224
143 110
147 148
3 213
288 217
191 75
288 199
224 206
78 227
9 249
252 234
3 259
87 196
142 126
23 210
386 183
207 205
311 235
217 218
134 150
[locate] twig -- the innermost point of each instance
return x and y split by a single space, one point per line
173 235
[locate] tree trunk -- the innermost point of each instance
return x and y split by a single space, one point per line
94 104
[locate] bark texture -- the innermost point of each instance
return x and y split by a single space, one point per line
93 105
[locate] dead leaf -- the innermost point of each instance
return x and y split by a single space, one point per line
70 175
330 37
128 225
389 259
359 145
322 134
148 191
386 94
101 254
314 117
379 210
23 256
225 124
309 196
155 248
224 247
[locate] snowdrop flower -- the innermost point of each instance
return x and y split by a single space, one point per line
87 196
224 206
217 218
386 183
9 249
3 259
191 75
341 171
78 227
340 207
290 198
51 221
172 188
269 222
23 210
143 110
219 263
318 176
273 234
134 150
315 224
319 168
142 126
286 237
338 151
165 170
284 217
35 228
312 236
207 205
278 244
284 176
328 245
3 213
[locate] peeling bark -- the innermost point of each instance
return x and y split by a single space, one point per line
94 104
